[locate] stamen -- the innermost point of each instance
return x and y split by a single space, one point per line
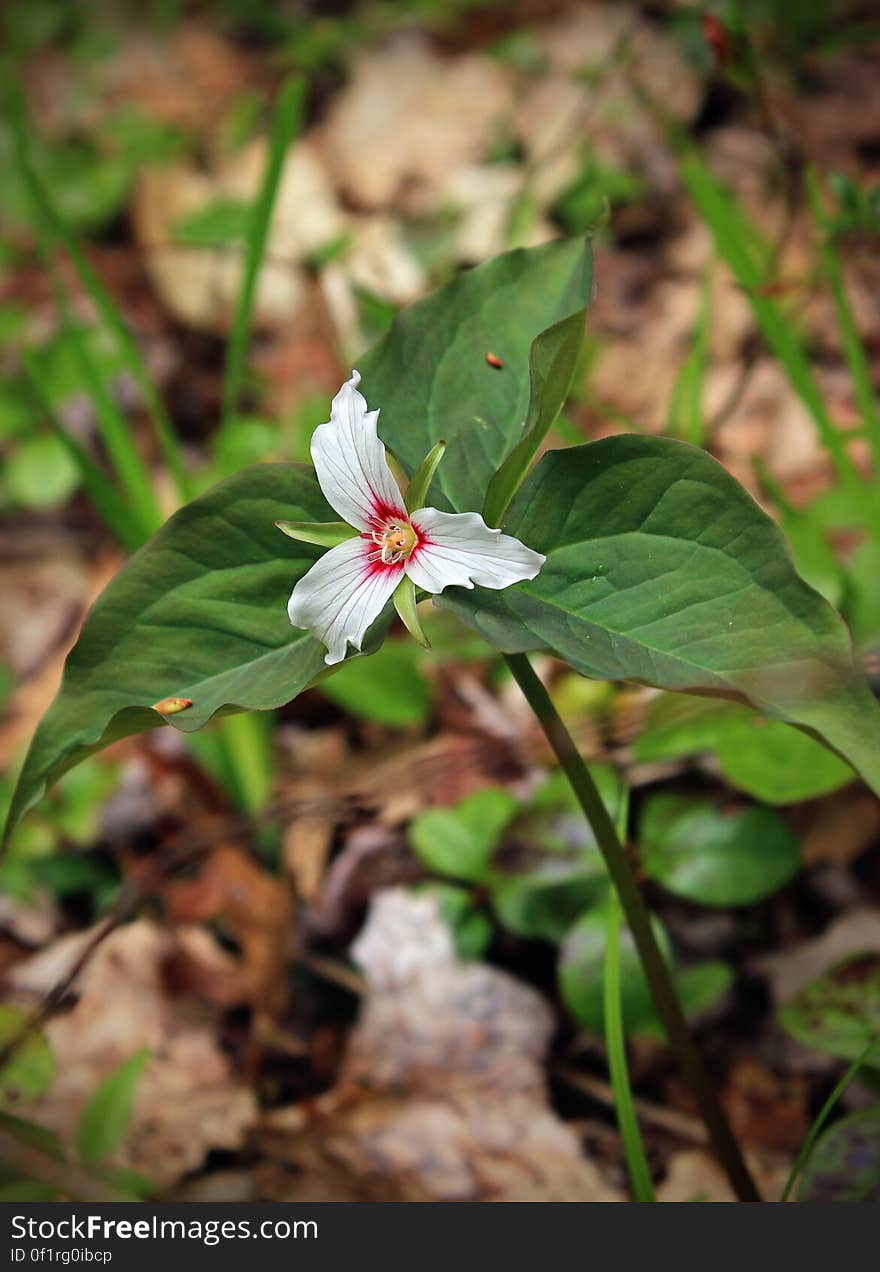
396 541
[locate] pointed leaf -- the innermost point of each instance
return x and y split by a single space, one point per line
661 569
429 375
104 1122
198 613
552 363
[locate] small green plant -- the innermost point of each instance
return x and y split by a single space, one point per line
51 1168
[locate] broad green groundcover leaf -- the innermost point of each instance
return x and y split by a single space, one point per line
198 613
845 1164
771 761
30 1068
430 378
662 569
713 858
840 1011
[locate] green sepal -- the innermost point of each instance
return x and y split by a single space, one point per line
326 534
417 490
405 603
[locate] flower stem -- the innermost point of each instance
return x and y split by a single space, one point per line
655 969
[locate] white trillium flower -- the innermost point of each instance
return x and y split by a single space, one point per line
343 592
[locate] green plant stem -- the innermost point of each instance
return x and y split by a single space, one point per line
634 1150
853 349
287 119
823 1115
656 972
56 228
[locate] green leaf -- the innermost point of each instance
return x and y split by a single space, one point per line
325 534
460 841
30 1068
33 1135
662 569
222 221
404 598
200 613
698 853
545 901
840 1011
700 987
429 376
418 487
40 473
104 1122
581 974
471 929
27 1190
771 761
552 363
389 688
845 1164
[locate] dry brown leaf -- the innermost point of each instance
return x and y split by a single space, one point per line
695 1176
441 1096
253 906
199 285
407 119
187 1100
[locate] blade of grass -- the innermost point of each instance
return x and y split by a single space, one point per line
288 115
46 210
615 1041
636 1161
112 509
853 349
133 474
823 1115
738 243
685 416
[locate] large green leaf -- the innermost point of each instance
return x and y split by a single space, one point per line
662 569
198 613
430 378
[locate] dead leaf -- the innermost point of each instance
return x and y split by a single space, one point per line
693 1175
407 119
188 1102
441 1095
254 908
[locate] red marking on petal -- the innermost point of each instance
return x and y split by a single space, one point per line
383 512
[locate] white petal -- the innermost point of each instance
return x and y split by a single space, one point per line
350 462
341 594
458 549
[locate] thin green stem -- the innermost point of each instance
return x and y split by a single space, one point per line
634 1150
656 972
44 208
853 349
822 1117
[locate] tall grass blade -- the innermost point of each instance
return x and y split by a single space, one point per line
112 509
823 1115
685 416
636 1161
110 315
288 115
853 349
739 244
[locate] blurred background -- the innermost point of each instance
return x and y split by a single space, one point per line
353 950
